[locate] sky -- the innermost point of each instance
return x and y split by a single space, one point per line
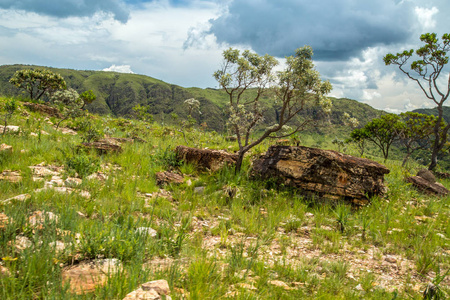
181 41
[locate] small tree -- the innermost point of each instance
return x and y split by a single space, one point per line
247 77
383 132
88 97
38 82
70 104
426 72
359 136
9 108
417 132
142 113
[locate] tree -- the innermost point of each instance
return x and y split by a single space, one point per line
142 113
247 77
70 103
9 108
359 136
382 131
426 72
417 132
88 97
38 82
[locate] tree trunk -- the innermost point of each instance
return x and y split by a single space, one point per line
239 161
437 140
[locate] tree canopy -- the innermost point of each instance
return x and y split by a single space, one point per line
38 82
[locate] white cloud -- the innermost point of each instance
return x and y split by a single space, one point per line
120 69
425 16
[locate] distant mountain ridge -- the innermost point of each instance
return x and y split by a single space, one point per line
118 93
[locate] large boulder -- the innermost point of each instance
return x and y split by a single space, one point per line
426 183
205 158
324 173
43 109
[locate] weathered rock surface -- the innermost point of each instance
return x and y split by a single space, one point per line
4 220
116 141
21 197
426 186
10 128
151 290
205 158
6 148
44 109
11 176
324 173
102 148
68 131
427 175
84 277
166 177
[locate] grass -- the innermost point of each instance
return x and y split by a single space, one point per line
236 239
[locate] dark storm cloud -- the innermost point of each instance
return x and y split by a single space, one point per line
70 8
336 30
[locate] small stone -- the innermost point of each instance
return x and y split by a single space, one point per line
20 243
58 246
140 294
160 286
146 231
199 190
390 259
10 128
359 287
11 176
22 197
4 220
4 272
6 148
40 217
280 283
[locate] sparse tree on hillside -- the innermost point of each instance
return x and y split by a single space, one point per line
247 77
70 103
88 97
417 133
9 108
382 131
426 72
38 82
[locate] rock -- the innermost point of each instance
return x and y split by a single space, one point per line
20 243
163 178
205 158
150 290
64 190
10 129
324 173
102 148
21 197
116 141
68 131
280 283
442 175
283 142
390 259
4 272
42 171
84 277
44 109
427 175
98 176
425 186
4 221
72 181
38 218
59 246
146 231
359 287
199 190
11 176
6 148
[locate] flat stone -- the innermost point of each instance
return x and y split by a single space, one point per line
42 171
427 187
4 272
42 217
11 176
160 286
4 221
10 128
6 148
20 243
86 276
205 158
146 231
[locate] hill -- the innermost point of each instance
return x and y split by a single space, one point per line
118 93
433 111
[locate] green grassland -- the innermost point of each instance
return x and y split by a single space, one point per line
258 242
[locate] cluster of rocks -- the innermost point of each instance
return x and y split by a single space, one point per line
425 181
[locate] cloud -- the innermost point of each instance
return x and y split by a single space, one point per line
426 15
70 8
120 69
337 30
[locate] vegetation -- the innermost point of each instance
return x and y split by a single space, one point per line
426 72
259 242
293 89
38 82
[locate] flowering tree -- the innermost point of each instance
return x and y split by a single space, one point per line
426 72
70 103
38 82
247 77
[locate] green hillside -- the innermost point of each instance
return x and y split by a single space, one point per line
433 111
118 93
